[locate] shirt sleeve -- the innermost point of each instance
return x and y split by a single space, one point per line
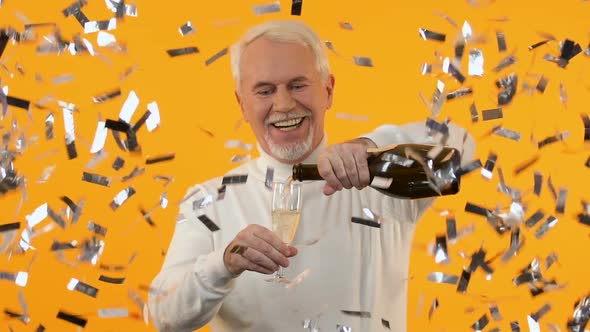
193 281
417 132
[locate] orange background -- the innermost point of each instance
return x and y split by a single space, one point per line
193 97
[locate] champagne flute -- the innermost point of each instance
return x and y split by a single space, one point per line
286 207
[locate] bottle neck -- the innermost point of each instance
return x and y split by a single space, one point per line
303 172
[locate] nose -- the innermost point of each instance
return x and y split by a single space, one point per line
283 100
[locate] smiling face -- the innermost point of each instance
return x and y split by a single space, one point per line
283 98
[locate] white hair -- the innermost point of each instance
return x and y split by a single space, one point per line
282 31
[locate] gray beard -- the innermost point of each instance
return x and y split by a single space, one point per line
292 151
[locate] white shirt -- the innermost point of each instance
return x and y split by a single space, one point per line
352 267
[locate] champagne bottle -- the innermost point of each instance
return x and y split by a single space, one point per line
405 171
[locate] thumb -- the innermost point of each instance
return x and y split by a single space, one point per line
329 190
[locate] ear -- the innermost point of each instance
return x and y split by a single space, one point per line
330 90
239 100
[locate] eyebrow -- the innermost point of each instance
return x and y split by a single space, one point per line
263 83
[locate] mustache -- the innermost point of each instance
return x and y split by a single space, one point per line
276 117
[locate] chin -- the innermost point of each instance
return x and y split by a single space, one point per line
290 152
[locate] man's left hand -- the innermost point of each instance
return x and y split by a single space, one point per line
345 165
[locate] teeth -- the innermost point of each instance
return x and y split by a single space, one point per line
288 123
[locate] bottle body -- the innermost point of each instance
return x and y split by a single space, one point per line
406 171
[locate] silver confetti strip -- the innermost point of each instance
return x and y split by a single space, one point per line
94 26
363 61
515 245
208 223
113 313
346 25
433 308
526 164
481 323
550 260
441 254
106 96
186 29
70 136
535 218
507 133
46 174
546 226
274 7
450 69
234 179
451 229
269 177
580 316
49 121
64 78
492 114
20 278
96 179
122 197
501 39
216 56
100 137
474 113
463 281
361 314
541 312
551 187
509 85
431 35
426 69
129 107
91 250
82 287
542 84
153 120
135 172
495 312
202 202
459 93
562 93
561 198
476 62
505 62
234 143
56 218
96 228
182 51
467 31
240 158
443 278
342 328
488 169
398 160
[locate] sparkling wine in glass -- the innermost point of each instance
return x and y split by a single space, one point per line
286 208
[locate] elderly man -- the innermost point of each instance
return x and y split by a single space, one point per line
284 88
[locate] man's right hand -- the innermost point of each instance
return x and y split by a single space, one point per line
258 249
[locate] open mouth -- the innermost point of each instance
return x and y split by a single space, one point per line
288 125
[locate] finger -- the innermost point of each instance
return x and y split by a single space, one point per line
338 167
293 252
329 190
326 171
351 170
271 246
244 264
362 167
260 259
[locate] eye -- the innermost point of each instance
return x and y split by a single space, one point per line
264 91
298 86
